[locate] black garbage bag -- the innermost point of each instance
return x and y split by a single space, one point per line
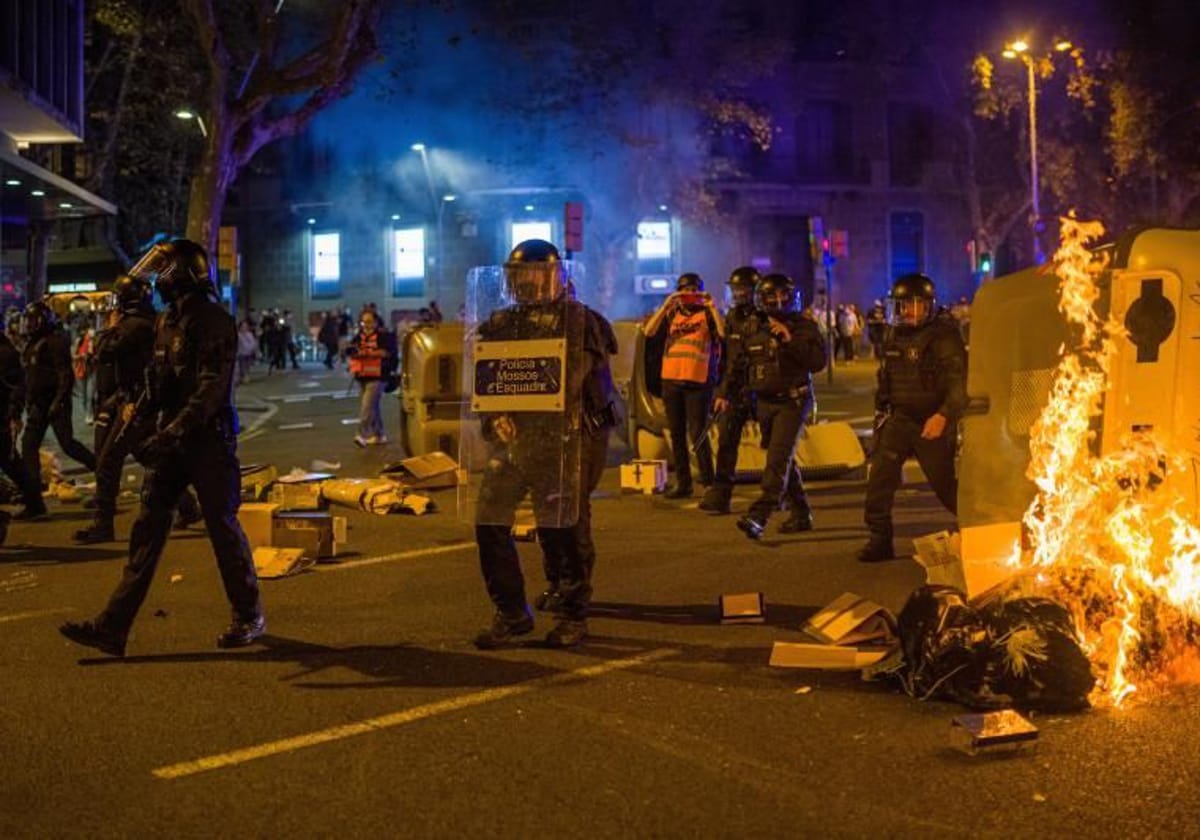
1034 655
946 649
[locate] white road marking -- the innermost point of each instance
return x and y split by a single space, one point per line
287 427
350 421
310 395
300 399
255 429
387 558
33 614
375 724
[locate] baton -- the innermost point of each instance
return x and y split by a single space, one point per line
704 434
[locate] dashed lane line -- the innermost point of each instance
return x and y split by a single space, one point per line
388 558
400 718
21 616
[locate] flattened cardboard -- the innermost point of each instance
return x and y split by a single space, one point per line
851 619
306 496
431 471
824 657
256 478
743 608
256 520
274 562
647 475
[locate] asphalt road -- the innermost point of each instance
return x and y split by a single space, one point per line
366 711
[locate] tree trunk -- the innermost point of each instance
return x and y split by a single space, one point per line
210 185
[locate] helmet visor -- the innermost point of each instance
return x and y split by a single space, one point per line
909 311
776 299
535 282
739 294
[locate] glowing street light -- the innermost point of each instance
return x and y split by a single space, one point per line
188 114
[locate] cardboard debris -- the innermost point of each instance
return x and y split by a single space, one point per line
525 532
824 657
851 619
374 495
992 732
272 562
256 478
297 496
743 608
431 471
315 533
299 476
255 519
648 476
941 556
986 552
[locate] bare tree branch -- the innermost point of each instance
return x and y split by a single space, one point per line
204 17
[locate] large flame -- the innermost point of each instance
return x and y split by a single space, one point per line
1107 535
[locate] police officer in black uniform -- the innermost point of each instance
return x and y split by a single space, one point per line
598 419
921 395
49 384
734 402
12 403
535 453
781 357
195 442
124 353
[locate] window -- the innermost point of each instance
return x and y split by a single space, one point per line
530 230
910 139
408 262
824 150
906 237
326 265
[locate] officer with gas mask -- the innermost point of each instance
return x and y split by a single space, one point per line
194 443
529 365
49 385
920 396
734 401
781 357
124 353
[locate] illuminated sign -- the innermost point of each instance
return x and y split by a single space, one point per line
654 240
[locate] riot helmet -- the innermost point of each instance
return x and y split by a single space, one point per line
534 273
913 301
38 319
177 268
689 282
776 293
740 288
132 294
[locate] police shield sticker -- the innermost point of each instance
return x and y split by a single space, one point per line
519 375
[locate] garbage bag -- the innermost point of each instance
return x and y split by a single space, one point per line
945 646
1035 655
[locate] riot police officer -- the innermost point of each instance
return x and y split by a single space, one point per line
49 385
124 353
533 433
921 395
781 357
12 403
194 443
734 401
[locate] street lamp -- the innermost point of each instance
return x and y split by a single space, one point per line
188 114
1020 48
438 206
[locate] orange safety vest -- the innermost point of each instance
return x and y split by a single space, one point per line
689 350
367 361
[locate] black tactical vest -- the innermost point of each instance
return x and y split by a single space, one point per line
913 370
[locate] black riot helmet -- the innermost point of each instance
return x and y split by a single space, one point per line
740 287
177 268
534 273
132 294
689 282
38 319
776 293
913 300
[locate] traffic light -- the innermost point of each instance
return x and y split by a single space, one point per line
985 263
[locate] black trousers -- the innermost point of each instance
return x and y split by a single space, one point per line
895 441
782 421
732 422
14 467
37 420
568 564
111 447
687 415
209 464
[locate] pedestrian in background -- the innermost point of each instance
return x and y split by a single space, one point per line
247 350
372 355
327 337
876 325
690 370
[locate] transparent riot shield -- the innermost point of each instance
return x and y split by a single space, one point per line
523 369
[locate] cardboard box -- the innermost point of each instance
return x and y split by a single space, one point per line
824 657
992 731
255 480
431 471
743 608
256 520
987 553
941 555
272 562
851 619
289 496
313 532
648 476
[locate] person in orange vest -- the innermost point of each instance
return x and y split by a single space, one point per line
372 361
690 367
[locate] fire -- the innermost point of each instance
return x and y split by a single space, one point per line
1108 536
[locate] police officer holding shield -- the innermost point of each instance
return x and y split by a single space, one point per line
12 403
781 357
194 443
734 401
920 397
529 366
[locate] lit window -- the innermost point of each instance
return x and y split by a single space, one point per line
530 230
326 264
654 240
408 262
